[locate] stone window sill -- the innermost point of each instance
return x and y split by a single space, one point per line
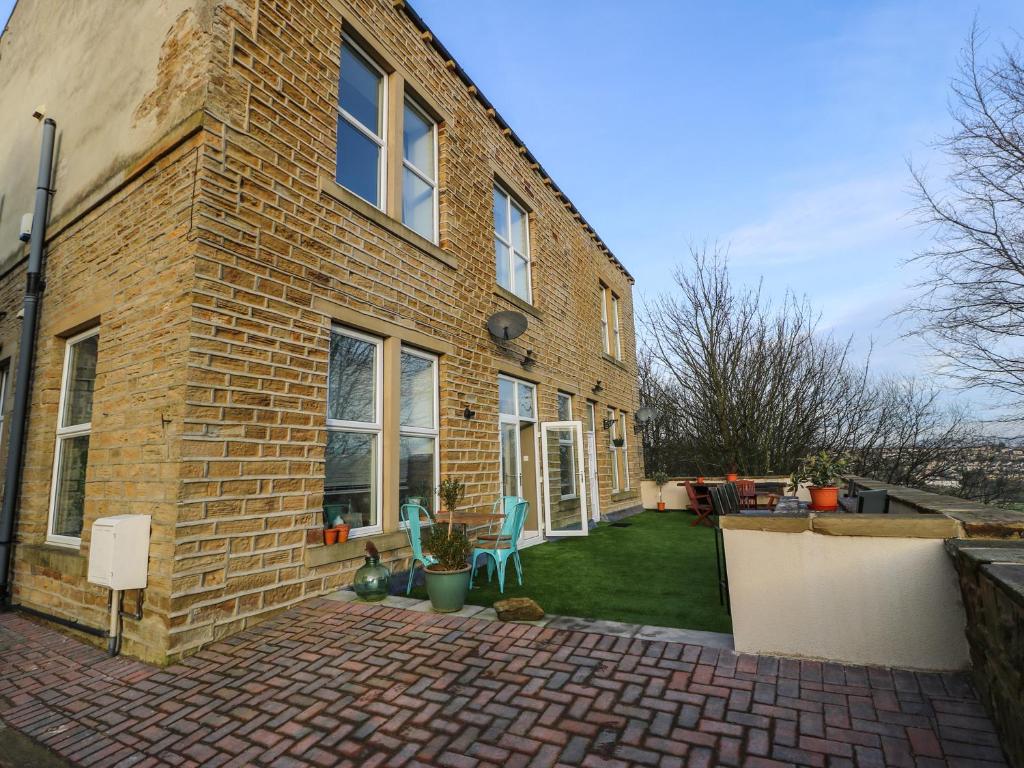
617 363
335 191
527 307
353 548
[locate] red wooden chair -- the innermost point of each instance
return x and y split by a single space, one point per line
747 491
700 504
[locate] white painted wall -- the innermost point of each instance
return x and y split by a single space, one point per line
855 599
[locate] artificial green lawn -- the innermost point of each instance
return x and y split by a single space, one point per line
660 571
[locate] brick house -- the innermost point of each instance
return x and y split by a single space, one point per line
278 232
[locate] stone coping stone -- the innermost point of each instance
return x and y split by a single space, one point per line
842 524
1008 576
354 548
976 519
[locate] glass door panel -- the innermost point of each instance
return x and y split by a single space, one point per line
565 486
510 460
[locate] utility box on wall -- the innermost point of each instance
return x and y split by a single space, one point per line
119 552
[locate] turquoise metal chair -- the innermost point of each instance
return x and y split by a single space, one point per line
410 515
504 546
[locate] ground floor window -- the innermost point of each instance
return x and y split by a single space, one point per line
74 426
418 431
613 427
354 427
624 451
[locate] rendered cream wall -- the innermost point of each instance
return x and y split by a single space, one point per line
856 599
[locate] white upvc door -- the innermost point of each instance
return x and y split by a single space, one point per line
595 491
565 482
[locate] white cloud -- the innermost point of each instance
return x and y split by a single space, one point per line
825 221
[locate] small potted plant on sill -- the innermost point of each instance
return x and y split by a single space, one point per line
448 578
821 473
660 478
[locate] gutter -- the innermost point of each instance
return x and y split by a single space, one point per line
26 352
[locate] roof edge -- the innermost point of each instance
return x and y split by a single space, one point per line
451 64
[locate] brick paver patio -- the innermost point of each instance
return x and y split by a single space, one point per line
348 684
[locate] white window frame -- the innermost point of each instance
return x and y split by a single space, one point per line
432 182
381 140
569 442
63 433
625 449
434 431
605 334
515 418
617 349
366 428
510 201
612 432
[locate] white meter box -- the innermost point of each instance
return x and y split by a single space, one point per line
119 552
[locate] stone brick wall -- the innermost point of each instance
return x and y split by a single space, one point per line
282 254
992 583
215 273
125 267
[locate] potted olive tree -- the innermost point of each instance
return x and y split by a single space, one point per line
660 478
448 578
821 472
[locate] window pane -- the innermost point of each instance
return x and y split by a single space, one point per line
80 383
522 278
358 162
351 478
567 468
518 229
501 262
352 380
525 401
500 213
417 204
417 391
416 471
564 408
509 451
507 397
589 424
359 89
70 501
418 141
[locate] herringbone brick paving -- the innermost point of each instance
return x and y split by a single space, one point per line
343 684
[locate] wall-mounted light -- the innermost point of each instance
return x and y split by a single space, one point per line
468 413
608 423
597 387
529 359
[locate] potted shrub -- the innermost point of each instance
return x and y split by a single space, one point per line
821 472
618 442
660 478
448 578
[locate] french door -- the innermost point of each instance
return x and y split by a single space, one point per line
565 482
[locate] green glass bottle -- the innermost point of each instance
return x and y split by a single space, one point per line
372 581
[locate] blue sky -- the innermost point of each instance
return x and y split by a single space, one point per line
779 129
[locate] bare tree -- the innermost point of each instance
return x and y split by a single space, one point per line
971 306
754 386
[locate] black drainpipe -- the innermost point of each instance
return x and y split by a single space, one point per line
26 350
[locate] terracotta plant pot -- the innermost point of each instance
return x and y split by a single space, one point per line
661 506
343 532
824 498
330 536
732 477
700 480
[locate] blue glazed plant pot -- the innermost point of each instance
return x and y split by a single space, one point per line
372 581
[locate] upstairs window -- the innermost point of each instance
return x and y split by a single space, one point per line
511 245
611 337
362 150
419 172
74 425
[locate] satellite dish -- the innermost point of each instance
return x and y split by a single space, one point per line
506 325
645 414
